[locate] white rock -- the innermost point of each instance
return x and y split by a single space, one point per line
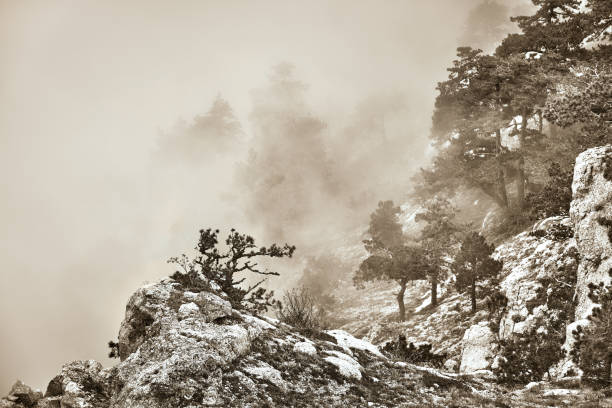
305 347
188 309
450 364
266 372
347 368
477 348
348 342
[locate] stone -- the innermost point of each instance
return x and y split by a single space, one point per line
591 213
23 394
212 306
305 347
188 309
477 348
51 402
451 365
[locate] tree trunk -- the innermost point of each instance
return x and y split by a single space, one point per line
540 121
434 291
400 301
501 181
473 294
521 163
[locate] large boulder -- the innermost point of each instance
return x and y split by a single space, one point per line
478 347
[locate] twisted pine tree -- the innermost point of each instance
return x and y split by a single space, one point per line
225 268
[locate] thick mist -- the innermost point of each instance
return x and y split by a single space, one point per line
127 126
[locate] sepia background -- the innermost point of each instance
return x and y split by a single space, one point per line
116 147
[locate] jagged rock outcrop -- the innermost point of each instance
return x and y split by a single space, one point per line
591 213
183 345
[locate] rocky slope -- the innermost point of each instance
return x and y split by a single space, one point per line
555 253
186 348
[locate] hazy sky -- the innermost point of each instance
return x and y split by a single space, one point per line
86 87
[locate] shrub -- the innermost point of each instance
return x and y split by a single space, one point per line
593 348
555 197
412 354
298 309
528 356
114 349
556 232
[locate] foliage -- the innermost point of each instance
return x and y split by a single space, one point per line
527 357
438 237
496 302
593 348
553 26
114 349
488 123
298 308
222 267
473 264
384 229
217 131
557 232
412 354
583 99
555 197
390 258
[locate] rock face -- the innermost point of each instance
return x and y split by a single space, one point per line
530 258
477 350
591 213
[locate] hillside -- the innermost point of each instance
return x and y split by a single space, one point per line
191 349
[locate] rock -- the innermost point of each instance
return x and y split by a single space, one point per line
477 348
266 372
451 364
591 213
5 403
51 402
346 365
305 347
188 309
22 394
528 258
212 306
82 384
532 385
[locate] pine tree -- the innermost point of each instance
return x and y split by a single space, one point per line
468 115
437 239
474 264
390 258
553 27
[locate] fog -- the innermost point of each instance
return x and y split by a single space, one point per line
127 126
